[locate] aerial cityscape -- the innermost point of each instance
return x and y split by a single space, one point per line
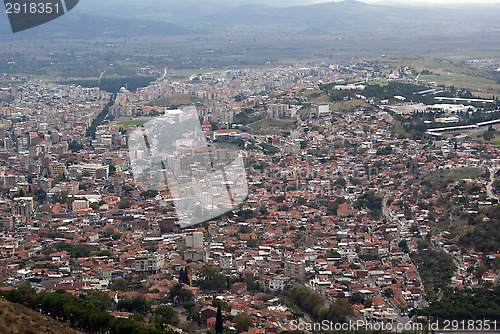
234 196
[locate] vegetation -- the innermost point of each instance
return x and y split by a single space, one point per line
113 85
126 124
485 235
435 268
178 294
312 303
211 279
15 318
85 313
270 126
372 202
465 304
243 322
99 119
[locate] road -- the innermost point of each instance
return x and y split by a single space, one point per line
489 186
165 71
101 76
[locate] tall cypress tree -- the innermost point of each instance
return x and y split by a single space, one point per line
219 326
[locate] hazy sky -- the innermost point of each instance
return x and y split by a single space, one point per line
416 2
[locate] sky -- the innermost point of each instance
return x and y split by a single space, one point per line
416 2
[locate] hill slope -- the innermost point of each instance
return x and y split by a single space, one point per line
16 318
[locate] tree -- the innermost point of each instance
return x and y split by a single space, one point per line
211 279
301 201
137 304
183 276
166 315
179 294
389 293
120 284
243 322
489 135
149 193
219 325
124 204
403 245
340 311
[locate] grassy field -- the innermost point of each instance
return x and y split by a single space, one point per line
444 72
480 139
350 105
318 97
175 100
454 174
269 126
138 122
474 83
7 123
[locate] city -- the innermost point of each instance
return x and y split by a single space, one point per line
361 203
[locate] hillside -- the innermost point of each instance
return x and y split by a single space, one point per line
15 318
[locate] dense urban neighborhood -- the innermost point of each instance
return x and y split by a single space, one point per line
373 196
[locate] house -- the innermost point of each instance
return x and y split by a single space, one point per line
208 312
346 210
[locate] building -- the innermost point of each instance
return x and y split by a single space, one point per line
226 261
6 221
80 204
194 240
278 110
277 283
295 270
23 207
323 109
195 255
97 171
149 264
7 251
57 169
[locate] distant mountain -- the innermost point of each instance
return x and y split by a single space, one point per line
359 17
130 18
83 26
349 16
179 12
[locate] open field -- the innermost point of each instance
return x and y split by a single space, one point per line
449 73
269 126
175 100
126 124
456 174
350 105
474 83
6 123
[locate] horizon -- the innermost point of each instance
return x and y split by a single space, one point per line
419 2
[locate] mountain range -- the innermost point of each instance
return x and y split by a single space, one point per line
113 18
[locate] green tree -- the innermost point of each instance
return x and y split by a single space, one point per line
179 294
124 204
166 314
219 325
136 304
243 322
120 284
211 279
